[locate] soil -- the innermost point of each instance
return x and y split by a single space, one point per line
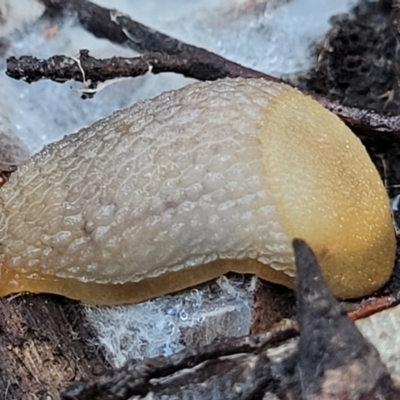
357 60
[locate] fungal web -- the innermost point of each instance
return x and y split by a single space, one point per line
168 324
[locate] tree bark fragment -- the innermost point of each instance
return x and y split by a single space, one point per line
44 344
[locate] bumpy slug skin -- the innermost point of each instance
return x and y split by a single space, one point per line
175 191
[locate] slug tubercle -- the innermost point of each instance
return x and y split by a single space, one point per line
175 191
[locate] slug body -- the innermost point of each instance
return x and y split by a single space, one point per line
175 191
13 152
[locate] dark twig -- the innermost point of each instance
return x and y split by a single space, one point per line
134 378
116 27
121 29
91 70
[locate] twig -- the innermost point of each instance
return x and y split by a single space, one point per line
365 122
121 29
373 305
134 378
62 68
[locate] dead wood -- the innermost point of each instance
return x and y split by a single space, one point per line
217 367
86 68
44 344
92 71
272 304
365 122
121 29
334 360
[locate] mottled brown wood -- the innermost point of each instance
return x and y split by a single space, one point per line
231 369
91 70
44 345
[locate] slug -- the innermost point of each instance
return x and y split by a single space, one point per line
13 151
175 191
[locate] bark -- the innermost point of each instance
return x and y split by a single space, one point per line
120 29
44 344
213 370
93 71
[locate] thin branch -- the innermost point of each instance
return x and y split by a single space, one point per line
134 378
86 68
121 29
116 27
364 121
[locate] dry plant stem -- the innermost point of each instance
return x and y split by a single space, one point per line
365 122
86 68
374 305
120 29
116 27
134 378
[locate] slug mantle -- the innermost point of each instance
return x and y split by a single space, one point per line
175 191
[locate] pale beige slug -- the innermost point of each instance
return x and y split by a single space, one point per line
174 191
13 151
